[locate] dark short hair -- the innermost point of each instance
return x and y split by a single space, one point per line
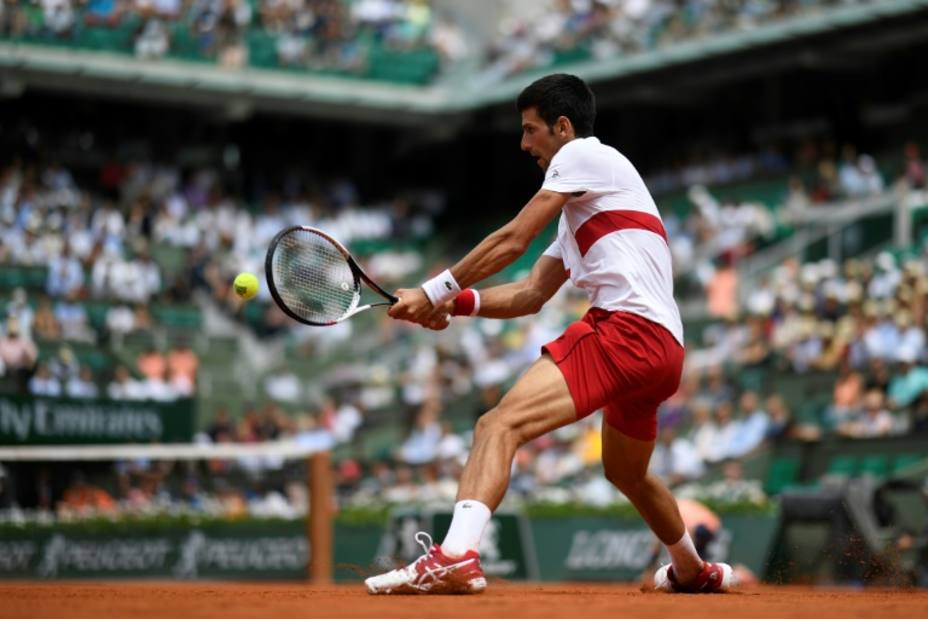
559 95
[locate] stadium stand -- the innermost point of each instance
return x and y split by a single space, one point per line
400 41
392 41
120 308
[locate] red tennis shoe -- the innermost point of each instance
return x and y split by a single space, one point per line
433 572
714 578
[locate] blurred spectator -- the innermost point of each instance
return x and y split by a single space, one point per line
182 364
65 275
848 392
704 433
348 419
283 386
909 381
675 459
46 324
727 427
781 424
422 444
103 13
451 446
81 496
17 354
750 428
43 383
57 16
152 42
72 317
64 365
152 364
221 425
19 309
156 387
82 386
914 172
124 387
874 420
722 291
120 320
142 320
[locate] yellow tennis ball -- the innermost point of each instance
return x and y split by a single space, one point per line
245 285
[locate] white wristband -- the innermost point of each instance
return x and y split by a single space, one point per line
476 303
442 288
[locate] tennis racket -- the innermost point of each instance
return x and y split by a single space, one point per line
314 279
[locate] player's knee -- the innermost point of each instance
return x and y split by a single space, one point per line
494 425
629 482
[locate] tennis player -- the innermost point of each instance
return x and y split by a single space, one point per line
624 356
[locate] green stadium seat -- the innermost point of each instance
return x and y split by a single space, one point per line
752 379
845 466
906 461
96 313
875 465
783 473
178 316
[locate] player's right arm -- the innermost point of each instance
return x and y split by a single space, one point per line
527 295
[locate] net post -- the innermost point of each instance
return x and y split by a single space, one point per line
319 522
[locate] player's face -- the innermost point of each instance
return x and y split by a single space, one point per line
538 139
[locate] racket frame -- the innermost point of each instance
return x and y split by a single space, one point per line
356 270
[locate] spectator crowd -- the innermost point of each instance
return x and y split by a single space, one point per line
315 34
861 324
338 34
561 30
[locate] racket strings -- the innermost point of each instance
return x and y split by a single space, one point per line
313 278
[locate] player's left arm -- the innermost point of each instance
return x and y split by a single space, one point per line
503 247
491 255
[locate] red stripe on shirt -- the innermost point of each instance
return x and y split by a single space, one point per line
606 222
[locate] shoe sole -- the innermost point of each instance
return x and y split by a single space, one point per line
474 586
662 583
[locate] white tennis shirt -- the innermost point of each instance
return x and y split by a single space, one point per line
610 236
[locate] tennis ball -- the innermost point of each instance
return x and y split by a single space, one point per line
245 285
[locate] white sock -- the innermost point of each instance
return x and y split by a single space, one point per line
467 525
684 558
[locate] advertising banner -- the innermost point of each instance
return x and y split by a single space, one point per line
63 421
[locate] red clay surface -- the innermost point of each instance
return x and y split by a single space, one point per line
502 601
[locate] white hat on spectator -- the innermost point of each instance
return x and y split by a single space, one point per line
833 290
827 268
809 275
885 261
906 354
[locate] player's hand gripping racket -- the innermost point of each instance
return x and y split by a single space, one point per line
314 279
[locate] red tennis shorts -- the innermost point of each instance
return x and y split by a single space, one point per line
622 363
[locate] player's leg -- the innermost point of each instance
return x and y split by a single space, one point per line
539 402
625 461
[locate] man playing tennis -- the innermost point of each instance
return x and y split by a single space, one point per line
624 356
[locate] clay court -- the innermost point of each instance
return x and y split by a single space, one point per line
256 601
